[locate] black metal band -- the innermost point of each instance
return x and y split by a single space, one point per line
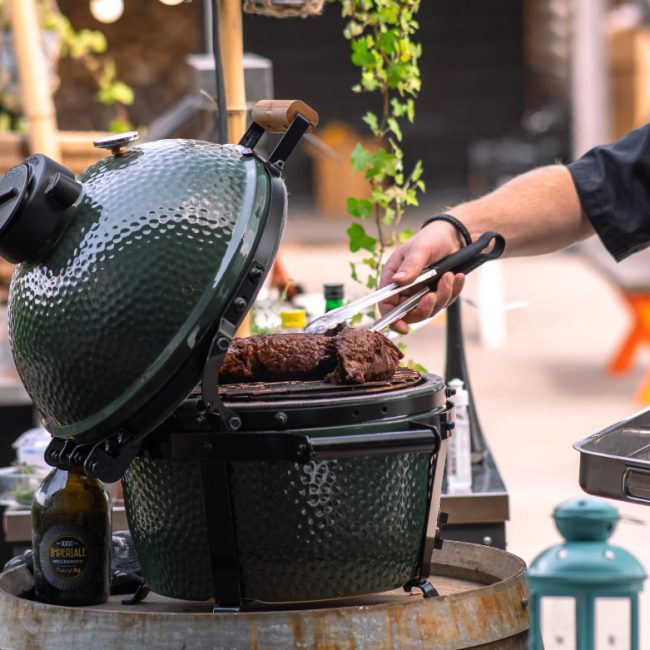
456 223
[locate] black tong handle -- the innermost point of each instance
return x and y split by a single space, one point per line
471 257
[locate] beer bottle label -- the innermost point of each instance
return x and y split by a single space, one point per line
68 556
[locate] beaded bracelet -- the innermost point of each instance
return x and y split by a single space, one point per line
456 223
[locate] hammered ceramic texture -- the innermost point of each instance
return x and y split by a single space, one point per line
327 529
152 231
166 519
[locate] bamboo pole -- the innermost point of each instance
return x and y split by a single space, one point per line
34 82
231 37
232 59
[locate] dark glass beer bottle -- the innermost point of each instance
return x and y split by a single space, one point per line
71 538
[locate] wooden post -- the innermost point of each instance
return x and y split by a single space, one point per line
231 38
34 82
232 60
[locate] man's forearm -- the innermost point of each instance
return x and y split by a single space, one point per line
537 212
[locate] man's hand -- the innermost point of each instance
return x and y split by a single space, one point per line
408 260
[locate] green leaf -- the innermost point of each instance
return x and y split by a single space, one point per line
405 235
371 262
360 240
371 282
381 164
119 126
390 14
360 158
361 54
415 366
389 216
357 318
123 93
416 174
387 42
353 272
371 120
396 74
398 107
411 198
369 81
394 127
361 208
410 110
116 91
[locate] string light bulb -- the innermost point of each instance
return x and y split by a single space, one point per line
107 11
171 3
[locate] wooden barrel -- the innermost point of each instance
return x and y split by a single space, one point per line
482 604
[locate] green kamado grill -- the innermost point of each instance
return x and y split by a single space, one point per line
131 282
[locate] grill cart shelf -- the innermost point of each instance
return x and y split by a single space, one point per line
479 516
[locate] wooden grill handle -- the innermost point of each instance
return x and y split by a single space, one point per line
276 115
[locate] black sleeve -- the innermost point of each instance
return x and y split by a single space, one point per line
613 183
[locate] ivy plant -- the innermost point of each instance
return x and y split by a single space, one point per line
381 34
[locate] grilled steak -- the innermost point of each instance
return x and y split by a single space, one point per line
351 357
278 357
363 356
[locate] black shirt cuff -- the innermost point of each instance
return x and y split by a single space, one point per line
613 184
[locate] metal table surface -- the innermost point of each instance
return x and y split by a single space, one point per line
17 524
478 516
17 414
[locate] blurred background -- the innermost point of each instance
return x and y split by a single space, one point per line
490 70
507 85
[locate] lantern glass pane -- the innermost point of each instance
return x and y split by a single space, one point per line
558 618
613 619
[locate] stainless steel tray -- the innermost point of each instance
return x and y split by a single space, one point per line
615 462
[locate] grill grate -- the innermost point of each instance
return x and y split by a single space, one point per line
286 390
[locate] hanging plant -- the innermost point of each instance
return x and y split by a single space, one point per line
381 34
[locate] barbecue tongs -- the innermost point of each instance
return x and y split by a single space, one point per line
463 261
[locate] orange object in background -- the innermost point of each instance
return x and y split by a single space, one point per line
639 334
281 280
334 179
631 280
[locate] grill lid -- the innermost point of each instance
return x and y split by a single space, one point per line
162 253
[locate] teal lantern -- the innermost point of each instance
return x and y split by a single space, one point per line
575 577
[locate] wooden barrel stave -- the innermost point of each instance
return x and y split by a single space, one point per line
483 604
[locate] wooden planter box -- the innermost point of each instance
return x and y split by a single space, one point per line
77 151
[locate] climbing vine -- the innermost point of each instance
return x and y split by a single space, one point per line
381 34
